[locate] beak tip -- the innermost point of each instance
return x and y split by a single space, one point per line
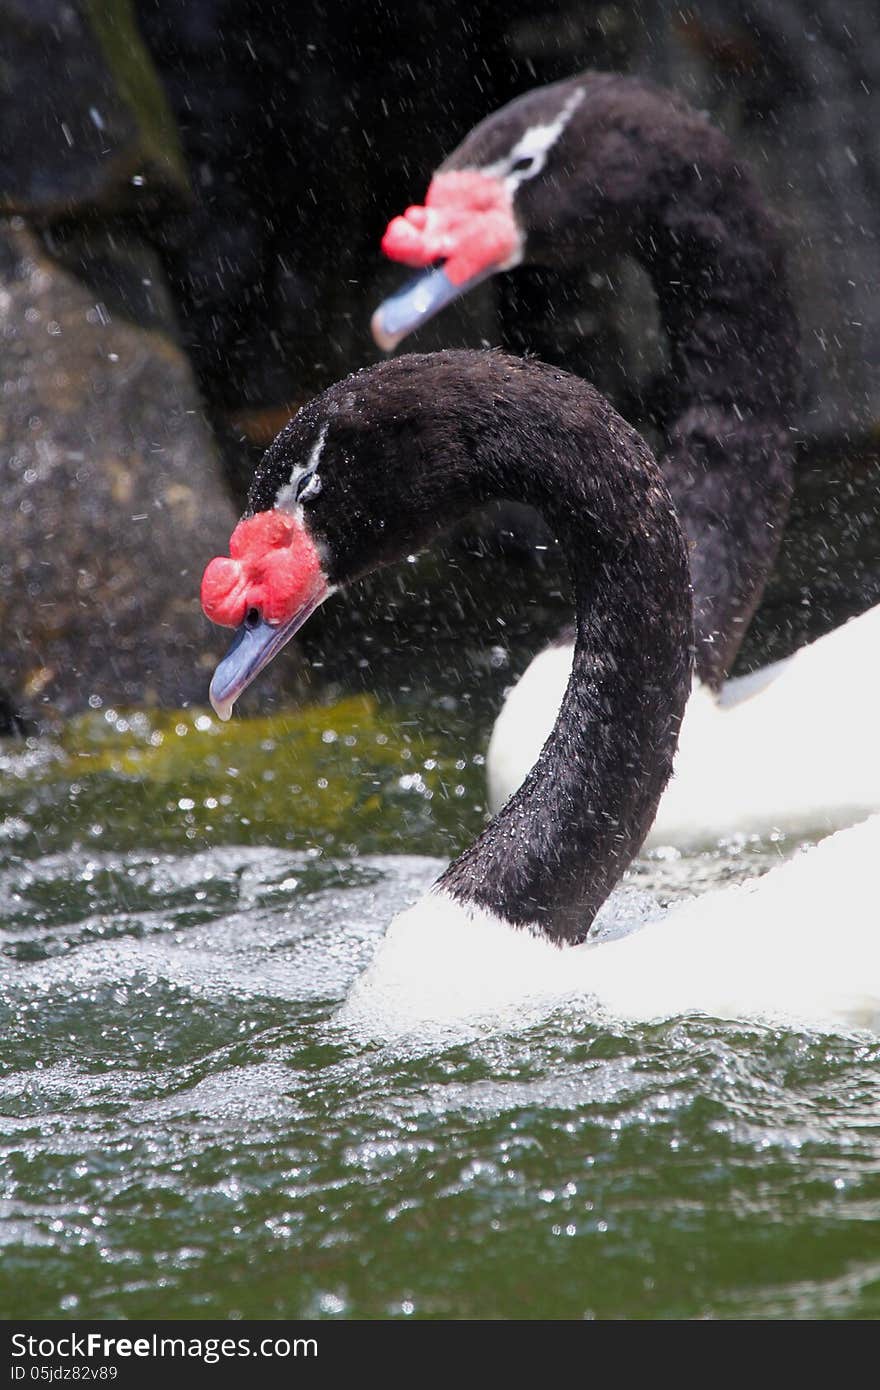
381 337
222 708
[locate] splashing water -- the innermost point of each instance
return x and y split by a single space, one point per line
186 1131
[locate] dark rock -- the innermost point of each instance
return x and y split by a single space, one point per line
85 123
797 88
112 497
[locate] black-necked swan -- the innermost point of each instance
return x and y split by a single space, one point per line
601 163
383 462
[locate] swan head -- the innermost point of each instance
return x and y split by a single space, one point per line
372 469
559 175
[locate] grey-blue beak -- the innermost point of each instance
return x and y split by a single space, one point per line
417 302
253 647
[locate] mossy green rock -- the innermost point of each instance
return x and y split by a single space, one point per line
350 778
112 498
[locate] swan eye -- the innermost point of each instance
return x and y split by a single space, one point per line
307 486
526 164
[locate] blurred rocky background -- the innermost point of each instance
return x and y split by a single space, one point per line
192 197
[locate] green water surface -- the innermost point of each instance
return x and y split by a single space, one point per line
184 1131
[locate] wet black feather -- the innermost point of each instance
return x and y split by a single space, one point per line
411 446
637 171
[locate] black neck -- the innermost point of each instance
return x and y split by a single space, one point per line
552 855
409 447
641 173
716 262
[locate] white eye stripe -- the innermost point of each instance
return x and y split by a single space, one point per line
304 481
535 144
